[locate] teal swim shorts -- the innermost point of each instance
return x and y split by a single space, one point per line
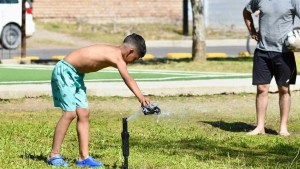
68 87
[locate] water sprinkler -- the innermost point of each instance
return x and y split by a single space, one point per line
151 109
147 110
125 143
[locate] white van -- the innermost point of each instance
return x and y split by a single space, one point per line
11 21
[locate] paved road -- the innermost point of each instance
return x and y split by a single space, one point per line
155 51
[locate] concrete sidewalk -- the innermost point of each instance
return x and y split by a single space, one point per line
166 88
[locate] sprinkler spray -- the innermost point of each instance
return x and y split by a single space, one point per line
147 110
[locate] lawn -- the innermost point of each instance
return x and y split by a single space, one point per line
114 33
206 132
194 132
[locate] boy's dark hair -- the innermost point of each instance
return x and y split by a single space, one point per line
138 42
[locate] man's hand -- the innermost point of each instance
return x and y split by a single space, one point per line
255 36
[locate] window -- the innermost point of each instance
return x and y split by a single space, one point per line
9 1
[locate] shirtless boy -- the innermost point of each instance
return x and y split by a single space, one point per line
69 91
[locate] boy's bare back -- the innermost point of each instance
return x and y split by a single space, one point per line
95 57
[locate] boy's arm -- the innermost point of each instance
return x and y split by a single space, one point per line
132 85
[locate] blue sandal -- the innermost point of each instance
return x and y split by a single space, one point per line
57 161
89 162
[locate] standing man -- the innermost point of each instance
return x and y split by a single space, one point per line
272 57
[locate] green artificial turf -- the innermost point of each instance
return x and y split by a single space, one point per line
43 75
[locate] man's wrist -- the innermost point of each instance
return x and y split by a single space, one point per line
252 33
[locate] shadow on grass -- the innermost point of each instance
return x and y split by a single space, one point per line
43 158
238 59
115 166
204 148
236 126
34 157
97 156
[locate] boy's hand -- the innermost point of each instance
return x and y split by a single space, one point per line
144 101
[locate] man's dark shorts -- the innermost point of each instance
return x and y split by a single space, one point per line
267 64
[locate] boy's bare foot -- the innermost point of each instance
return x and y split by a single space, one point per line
256 132
284 133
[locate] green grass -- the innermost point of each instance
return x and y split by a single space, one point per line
197 133
114 33
53 42
223 65
229 65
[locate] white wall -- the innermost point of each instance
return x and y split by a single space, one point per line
225 13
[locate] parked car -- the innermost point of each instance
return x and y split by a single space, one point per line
11 22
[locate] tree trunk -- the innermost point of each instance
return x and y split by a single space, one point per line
198 53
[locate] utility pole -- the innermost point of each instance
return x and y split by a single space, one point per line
185 18
23 32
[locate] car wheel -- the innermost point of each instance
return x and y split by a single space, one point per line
11 36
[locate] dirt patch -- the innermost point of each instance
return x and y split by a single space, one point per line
43 39
229 105
26 105
61 35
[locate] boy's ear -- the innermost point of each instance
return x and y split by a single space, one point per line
131 51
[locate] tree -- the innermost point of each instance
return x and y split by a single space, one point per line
198 49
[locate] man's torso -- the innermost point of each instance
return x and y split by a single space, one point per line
275 21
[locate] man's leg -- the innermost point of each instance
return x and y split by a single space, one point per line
83 132
284 105
261 108
60 131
